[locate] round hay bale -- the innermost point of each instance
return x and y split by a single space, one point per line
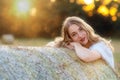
8 39
47 63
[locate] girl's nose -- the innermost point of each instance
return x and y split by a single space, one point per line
80 35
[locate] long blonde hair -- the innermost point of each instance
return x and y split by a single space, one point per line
92 36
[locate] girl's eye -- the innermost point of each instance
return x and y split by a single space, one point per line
80 29
73 34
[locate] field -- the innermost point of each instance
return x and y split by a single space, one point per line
116 45
42 41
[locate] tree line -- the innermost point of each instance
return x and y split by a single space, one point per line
47 21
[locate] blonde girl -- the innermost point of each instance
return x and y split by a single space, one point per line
80 37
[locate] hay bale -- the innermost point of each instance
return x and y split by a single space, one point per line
46 63
7 39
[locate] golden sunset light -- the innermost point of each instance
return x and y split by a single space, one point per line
60 39
114 18
71 1
80 1
33 12
103 10
106 2
52 0
88 7
21 7
89 2
113 11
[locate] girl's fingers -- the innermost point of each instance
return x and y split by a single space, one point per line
69 46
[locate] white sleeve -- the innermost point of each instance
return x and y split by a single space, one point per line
105 52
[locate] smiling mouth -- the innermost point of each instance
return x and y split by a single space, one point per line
82 40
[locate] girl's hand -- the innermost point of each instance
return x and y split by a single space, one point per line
69 46
72 45
75 44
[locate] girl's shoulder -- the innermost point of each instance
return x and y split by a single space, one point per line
99 44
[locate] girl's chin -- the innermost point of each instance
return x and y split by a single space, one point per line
84 44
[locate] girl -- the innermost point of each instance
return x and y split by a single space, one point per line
80 37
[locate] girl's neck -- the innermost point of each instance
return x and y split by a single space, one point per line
88 44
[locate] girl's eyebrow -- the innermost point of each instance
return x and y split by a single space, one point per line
80 28
73 33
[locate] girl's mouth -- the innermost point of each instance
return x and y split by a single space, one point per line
82 40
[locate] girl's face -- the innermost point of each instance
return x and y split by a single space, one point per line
77 34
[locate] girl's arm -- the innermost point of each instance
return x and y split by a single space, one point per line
84 53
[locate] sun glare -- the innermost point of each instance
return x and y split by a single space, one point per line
23 6
88 1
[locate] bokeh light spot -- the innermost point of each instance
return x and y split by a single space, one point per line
103 10
23 6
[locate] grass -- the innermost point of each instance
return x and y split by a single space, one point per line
43 41
116 45
32 42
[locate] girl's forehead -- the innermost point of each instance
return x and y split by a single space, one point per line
75 26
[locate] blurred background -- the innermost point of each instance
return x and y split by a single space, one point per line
36 22
43 18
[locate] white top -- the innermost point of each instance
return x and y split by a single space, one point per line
105 52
